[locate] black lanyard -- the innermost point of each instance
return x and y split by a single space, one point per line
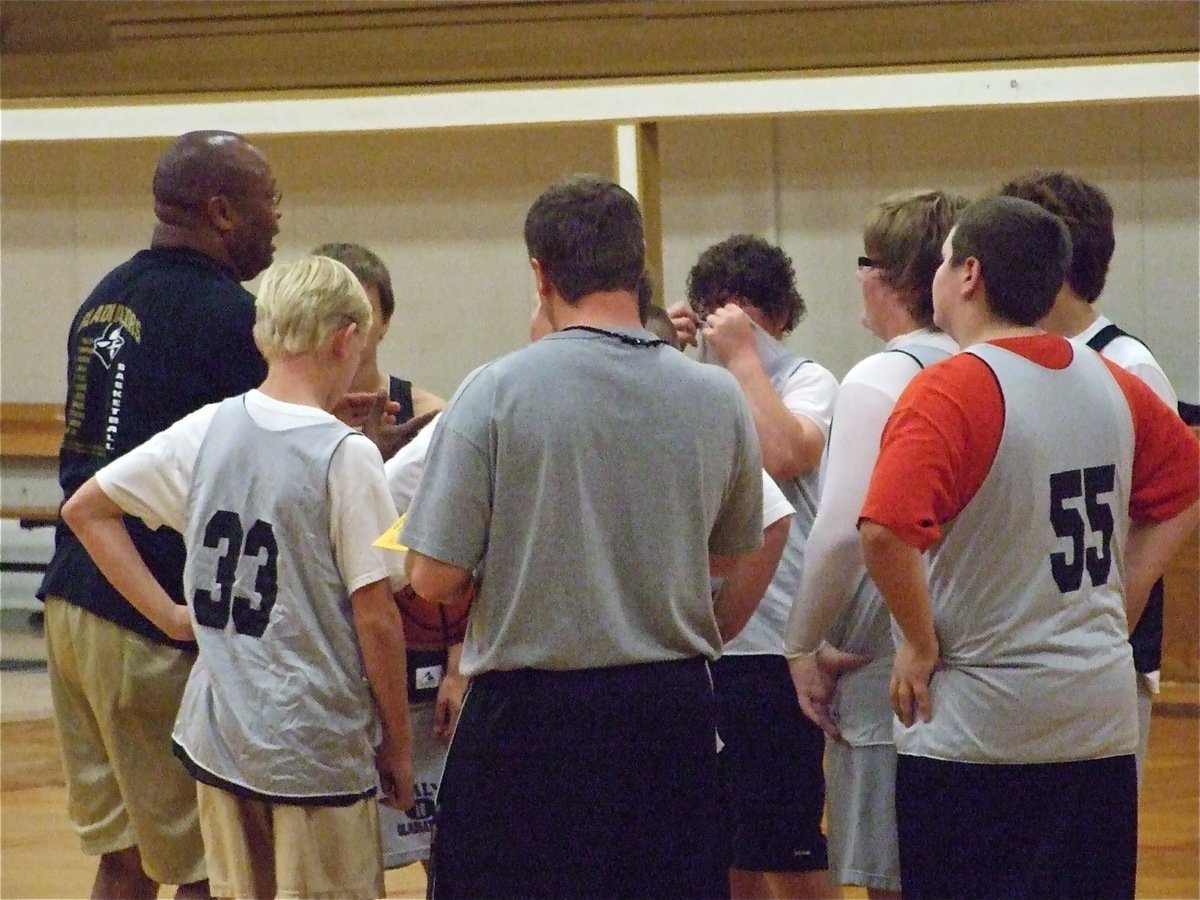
623 338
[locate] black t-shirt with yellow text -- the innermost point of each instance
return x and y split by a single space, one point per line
160 336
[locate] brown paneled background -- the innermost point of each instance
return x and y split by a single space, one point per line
60 48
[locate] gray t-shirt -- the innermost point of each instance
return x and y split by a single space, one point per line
763 634
587 480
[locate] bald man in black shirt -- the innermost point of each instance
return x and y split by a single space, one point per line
161 335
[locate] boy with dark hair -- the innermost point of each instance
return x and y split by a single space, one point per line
593 621
747 268
1088 215
435 688
1050 488
743 302
376 280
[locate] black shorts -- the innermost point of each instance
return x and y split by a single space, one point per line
587 783
1040 830
772 776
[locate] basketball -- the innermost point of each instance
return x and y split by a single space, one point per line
429 624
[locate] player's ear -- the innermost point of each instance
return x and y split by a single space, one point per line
343 339
541 279
972 275
220 212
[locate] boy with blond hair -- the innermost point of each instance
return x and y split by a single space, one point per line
842 684
301 646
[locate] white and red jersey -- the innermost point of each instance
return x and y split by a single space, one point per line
1020 465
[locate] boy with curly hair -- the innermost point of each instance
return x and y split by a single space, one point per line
743 302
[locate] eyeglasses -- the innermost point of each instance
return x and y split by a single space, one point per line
865 262
274 197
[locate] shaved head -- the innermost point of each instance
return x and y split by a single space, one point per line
201 164
214 192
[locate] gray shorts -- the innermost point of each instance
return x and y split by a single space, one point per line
861 791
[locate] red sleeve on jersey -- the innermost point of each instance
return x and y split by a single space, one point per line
1166 454
937 448
941 440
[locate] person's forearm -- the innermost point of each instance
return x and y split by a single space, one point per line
380 632
1149 549
898 571
99 524
454 658
450 695
743 589
791 445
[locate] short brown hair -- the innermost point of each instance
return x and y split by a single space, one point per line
1024 253
368 268
586 232
904 236
1088 216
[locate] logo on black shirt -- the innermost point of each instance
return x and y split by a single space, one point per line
108 345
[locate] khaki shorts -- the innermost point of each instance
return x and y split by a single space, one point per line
262 849
115 697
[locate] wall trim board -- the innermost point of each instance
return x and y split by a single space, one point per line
1181 627
31 430
1057 82
59 48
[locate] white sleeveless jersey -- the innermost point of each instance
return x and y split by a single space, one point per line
1026 582
278 703
860 704
763 633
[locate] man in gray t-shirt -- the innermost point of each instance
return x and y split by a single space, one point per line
589 483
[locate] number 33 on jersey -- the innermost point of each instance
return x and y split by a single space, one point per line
255 548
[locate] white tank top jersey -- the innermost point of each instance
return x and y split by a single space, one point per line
1133 356
278 702
1038 666
763 634
860 704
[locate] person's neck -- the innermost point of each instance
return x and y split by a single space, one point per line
168 236
602 309
992 330
303 379
1070 315
898 326
972 321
